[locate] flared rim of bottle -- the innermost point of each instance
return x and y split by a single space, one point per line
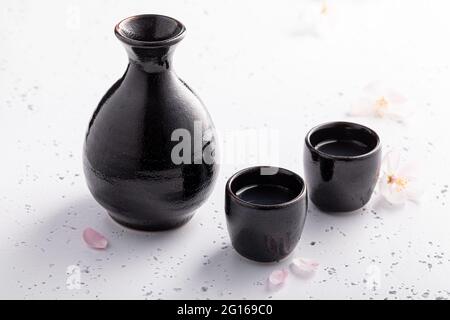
150 30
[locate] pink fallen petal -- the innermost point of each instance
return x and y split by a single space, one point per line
304 267
278 277
94 239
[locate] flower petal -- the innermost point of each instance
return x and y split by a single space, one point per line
395 115
303 267
316 19
278 277
94 239
395 97
391 162
374 88
415 189
398 113
362 108
411 170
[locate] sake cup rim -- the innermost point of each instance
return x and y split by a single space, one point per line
149 44
332 124
292 175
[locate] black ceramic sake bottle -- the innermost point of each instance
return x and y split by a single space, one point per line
150 146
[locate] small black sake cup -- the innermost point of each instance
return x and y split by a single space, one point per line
342 163
265 210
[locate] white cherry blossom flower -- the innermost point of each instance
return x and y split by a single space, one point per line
381 101
400 181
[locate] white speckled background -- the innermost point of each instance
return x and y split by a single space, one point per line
254 64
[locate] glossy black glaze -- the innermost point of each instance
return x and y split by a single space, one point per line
127 151
338 182
259 230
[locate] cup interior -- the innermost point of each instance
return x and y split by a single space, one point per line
343 140
252 187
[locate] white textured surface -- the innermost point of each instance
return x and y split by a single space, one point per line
256 65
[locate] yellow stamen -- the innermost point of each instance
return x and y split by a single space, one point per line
324 9
399 182
390 179
381 105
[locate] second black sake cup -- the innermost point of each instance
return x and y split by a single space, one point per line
342 163
265 210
